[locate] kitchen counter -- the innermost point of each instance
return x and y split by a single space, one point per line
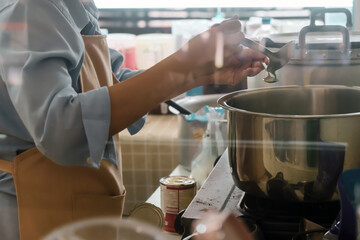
218 192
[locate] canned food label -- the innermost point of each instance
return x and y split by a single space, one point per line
176 195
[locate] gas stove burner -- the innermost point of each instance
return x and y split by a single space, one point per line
257 207
282 220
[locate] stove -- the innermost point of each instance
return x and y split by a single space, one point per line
275 219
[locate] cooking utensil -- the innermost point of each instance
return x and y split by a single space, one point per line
277 59
323 55
181 109
308 135
270 78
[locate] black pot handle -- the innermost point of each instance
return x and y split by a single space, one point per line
330 28
181 109
320 11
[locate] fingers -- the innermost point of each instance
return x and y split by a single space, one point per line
250 55
231 75
237 71
258 64
231 28
251 72
219 48
228 76
232 41
231 25
230 55
227 37
245 59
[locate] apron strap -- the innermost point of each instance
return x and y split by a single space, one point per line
6 166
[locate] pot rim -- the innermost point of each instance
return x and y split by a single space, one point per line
222 101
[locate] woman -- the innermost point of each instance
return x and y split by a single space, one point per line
61 108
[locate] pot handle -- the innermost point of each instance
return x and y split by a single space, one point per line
331 28
321 11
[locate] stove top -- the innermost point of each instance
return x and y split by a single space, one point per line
283 220
275 219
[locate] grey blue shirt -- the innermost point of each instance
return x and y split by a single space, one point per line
41 54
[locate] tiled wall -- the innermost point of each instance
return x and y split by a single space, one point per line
148 156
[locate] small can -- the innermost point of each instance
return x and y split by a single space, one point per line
176 194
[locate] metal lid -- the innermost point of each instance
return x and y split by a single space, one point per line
315 39
179 181
147 212
325 45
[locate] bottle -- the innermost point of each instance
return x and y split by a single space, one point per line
265 29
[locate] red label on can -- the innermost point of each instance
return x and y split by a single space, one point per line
169 222
176 194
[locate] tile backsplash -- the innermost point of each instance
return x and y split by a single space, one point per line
148 156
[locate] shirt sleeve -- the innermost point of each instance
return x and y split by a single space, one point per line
42 58
117 59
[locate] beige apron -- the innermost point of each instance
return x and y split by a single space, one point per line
50 195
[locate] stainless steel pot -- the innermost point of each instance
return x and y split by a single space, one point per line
291 143
323 55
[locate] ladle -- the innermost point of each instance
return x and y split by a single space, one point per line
277 59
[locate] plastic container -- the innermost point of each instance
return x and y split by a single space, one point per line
124 43
109 228
195 91
151 48
252 25
184 30
293 25
264 30
191 133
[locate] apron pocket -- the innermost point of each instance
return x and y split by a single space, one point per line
90 206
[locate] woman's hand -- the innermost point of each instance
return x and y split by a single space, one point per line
246 63
216 56
221 225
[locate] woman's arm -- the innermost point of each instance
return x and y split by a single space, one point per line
214 56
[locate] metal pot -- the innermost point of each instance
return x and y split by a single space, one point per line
323 55
291 143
